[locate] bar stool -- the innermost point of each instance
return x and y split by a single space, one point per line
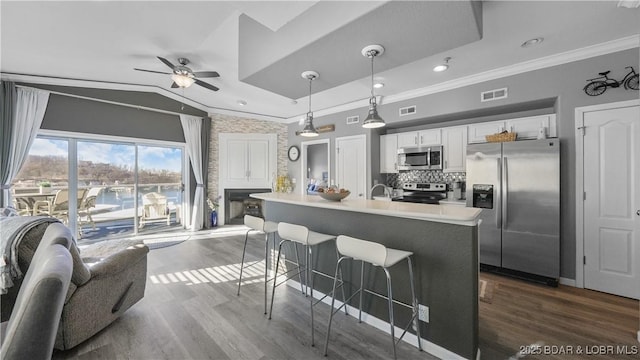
376 255
267 227
298 234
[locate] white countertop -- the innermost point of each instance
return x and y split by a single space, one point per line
454 202
451 214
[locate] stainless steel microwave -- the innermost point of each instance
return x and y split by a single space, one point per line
420 158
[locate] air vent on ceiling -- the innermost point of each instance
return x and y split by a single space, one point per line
408 110
493 95
353 119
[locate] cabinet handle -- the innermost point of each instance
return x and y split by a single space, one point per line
421 139
415 140
638 212
445 164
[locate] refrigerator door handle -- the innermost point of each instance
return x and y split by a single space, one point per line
505 191
497 193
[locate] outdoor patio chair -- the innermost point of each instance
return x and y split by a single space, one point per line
22 207
85 206
59 206
154 208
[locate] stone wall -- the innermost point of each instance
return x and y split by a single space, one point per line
238 125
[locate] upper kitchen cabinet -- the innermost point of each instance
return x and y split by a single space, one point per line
526 128
247 160
454 143
419 138
389 153
529 127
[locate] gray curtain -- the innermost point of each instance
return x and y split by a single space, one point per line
206 136
7 102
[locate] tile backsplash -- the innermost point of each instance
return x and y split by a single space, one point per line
424 176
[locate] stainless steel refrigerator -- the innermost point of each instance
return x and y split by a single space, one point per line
517 184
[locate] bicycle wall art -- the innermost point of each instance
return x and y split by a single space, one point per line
599 85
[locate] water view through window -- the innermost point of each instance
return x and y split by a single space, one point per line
110 182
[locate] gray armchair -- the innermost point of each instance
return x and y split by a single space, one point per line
107 279
32 327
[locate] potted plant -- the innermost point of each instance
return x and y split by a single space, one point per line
213 207
45 187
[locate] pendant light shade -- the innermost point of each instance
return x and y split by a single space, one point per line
309 130
373 120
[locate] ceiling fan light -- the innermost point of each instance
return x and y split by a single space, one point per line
183 81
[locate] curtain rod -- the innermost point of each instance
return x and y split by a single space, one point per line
138 107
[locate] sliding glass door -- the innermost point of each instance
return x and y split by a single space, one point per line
159 187
107 176
103 189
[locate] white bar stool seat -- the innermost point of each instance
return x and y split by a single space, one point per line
267 227
299 234
377 255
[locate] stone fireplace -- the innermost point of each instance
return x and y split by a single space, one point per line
237 204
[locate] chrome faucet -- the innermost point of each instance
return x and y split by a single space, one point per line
387 193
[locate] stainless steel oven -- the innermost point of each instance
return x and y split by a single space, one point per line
420 158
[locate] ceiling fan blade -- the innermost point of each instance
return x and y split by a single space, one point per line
153 71
166 62
174 85
206 74
208 86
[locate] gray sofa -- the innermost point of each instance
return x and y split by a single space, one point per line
107 279
31 330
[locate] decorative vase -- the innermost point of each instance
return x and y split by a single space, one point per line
214 218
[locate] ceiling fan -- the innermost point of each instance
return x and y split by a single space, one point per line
183 76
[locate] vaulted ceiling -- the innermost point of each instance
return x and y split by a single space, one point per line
259 48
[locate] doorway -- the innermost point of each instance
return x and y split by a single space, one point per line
608 198
316 163
351 165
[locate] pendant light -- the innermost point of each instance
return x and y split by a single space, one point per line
309 130
373 120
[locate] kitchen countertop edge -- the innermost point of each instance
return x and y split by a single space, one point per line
450 214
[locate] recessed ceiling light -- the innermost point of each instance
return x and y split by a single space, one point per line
242 102
442 67
378 85
532 42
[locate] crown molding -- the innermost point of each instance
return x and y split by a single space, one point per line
621 44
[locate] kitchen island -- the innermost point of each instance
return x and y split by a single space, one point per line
443 238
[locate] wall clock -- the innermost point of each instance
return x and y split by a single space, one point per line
294 153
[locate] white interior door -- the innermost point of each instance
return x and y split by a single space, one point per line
351 165
612 201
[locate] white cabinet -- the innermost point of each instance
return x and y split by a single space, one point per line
419 138
247 160
526 128
429 137
477 132
389 153
454 144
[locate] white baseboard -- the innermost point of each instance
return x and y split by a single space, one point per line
568 282
427 346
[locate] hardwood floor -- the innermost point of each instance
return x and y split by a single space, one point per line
183 317
523 313
191 311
